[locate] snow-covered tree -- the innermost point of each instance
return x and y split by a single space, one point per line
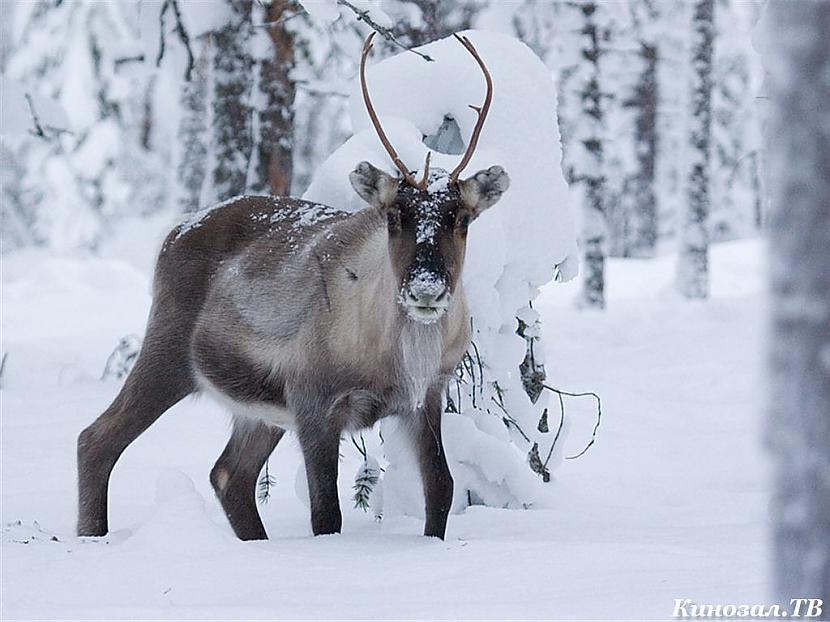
326 52
672 80
233 81
693 259
798 60
645 100
588 155
192 135
76 181
736 181
18 214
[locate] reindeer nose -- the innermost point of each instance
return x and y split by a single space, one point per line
427 292
427 299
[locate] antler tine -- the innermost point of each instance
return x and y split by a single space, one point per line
481 111
367 46
422 185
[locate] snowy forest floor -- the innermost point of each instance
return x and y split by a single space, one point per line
670 503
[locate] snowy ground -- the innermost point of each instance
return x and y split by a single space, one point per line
670 503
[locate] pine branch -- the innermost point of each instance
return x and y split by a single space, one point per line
364 483
264 486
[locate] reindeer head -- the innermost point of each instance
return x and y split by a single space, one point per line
427 220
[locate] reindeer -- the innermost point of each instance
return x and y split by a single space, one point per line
302 317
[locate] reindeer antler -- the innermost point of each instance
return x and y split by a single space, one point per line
421 185
481 111
471 147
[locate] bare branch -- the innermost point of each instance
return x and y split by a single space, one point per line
309 86
162 41
599 416
38 128
138 58
180 31
558 429
386 33
281 20
183 37
41 130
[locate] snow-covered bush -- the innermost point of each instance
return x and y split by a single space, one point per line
525 242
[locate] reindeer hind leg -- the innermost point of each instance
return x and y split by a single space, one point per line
234 476
160 378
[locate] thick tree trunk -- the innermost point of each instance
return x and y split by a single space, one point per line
799 426
693 261
275 140
233 80
590 165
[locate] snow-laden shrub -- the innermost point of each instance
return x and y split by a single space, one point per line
523 243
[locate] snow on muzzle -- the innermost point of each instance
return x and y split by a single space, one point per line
425 296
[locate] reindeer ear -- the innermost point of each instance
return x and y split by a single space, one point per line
373 185
484 189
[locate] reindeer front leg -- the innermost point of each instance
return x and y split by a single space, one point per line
435 474
320 442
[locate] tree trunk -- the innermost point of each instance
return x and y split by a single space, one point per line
432 27
192 134
693 261
275 140
644 233
799 426
233 80
590 164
